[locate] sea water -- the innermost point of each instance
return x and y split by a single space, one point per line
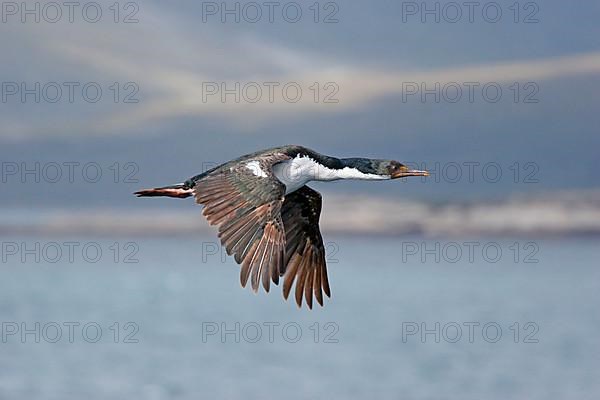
409 318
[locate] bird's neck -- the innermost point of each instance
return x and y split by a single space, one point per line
303 168
324 168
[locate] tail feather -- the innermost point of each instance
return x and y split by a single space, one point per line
179 191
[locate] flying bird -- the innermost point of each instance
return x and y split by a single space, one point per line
267 217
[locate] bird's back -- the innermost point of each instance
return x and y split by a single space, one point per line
289 150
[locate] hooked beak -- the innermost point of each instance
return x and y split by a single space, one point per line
404 171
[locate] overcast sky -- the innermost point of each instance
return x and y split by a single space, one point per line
180 89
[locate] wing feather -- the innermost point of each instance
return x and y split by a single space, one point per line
268 234
247 209
305 252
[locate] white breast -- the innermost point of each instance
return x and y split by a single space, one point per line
298 171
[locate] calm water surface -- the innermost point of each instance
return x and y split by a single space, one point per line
176 324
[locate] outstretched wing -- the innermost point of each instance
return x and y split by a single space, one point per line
245 201
305 253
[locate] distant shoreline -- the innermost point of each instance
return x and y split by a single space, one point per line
569 214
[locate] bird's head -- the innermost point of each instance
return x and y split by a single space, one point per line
397 170
384 169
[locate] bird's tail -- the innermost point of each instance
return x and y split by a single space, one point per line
179 191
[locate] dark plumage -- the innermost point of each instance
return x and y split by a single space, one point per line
268 219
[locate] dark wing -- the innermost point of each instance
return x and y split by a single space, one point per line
245 201
305 254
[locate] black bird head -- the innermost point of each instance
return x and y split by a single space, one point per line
397 170
391 168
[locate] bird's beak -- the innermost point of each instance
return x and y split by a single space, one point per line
404 171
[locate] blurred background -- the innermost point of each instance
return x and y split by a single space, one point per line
476 282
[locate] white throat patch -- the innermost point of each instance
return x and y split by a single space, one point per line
298 171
